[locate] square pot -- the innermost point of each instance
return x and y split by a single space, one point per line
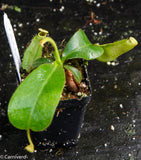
67 122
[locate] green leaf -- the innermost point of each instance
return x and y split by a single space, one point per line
33 52
80 47
75 72
41 61
33 104
114 50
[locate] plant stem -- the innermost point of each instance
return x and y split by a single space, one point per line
30 147
52 42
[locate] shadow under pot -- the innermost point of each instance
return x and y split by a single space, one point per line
66 125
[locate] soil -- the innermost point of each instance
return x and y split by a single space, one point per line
82 89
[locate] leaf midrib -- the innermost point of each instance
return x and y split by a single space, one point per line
32 110
77 49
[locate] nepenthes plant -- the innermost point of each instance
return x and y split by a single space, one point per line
33 104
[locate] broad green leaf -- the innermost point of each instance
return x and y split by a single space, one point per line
114 50
41 61
80 47
33 104
33 52
75 72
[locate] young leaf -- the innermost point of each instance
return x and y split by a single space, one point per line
75 72
40 61
114 50
80 47
33 104
33 52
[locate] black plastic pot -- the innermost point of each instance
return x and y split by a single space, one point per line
65 127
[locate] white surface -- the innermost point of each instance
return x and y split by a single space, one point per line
12 43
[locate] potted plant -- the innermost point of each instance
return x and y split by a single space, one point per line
51 74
